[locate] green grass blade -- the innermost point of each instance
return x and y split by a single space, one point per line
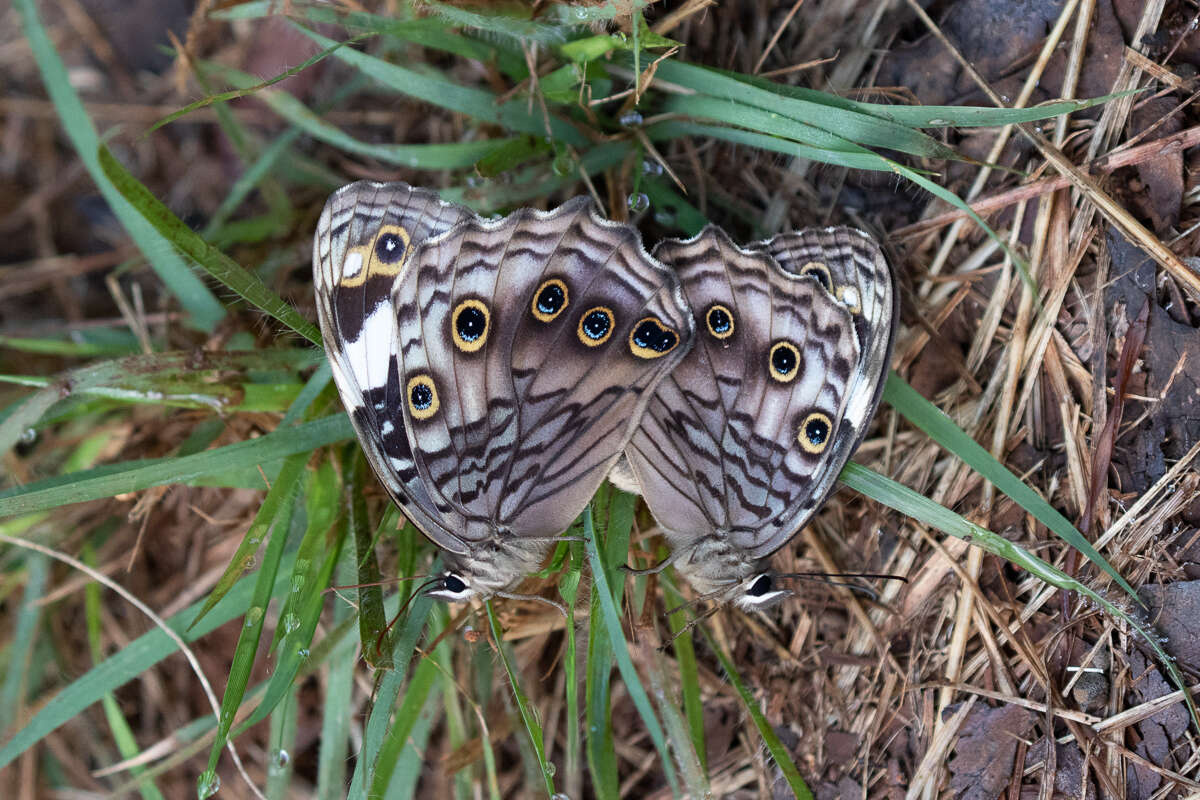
416 695
282 737
689 673
202 307
134 476
19 653
244 283
783 759
533 728
865 159
251 632
939 427
135 658
611 621
479 104
274 513
338 706
906 501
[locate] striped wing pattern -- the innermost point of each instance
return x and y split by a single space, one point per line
734 455
495 369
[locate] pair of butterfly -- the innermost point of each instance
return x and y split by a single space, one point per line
497 371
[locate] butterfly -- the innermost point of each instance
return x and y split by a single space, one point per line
493 369
743 441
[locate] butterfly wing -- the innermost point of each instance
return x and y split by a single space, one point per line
744 440
365 237
539 338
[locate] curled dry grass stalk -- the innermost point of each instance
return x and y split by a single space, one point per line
329 692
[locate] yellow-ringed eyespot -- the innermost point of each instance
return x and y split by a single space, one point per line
820 272
550 299
383 256
422 397
784 361
814 434
719 320
595 326
848 296
469 325
651 339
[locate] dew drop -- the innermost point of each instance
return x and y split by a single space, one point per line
208 784
664 218
638 202
291 623
652 167
474 181
939 122
281 758
562 165
551 770
629 119
28 437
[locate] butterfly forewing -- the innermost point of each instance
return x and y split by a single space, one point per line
530 419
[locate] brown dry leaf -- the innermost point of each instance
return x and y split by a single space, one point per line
987 745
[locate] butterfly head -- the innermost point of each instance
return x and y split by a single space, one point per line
724 575
493 568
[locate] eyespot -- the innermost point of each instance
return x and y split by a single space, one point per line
651 339
719 320
383 256
820 272
422 397
550 299
595 326
391 243
469 325
762 585
848 296
814 433
784 361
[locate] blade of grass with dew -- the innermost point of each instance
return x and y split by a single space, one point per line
410 766
132 476
387 690
939 427
611 622
282 738
416 695
321 516
122 733
568 590
245 284
683 215
308 579
533 728
906 501
337 707
202 307
20 651
132 660
778 752
695 778
534 182
249 636
479 104
275 511
689 672
142 378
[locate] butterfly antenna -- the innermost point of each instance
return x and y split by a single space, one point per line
830 579
654 570
383 634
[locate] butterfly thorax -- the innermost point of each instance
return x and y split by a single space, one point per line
494 565
724 574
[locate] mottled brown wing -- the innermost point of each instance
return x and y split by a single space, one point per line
745 438
526 349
